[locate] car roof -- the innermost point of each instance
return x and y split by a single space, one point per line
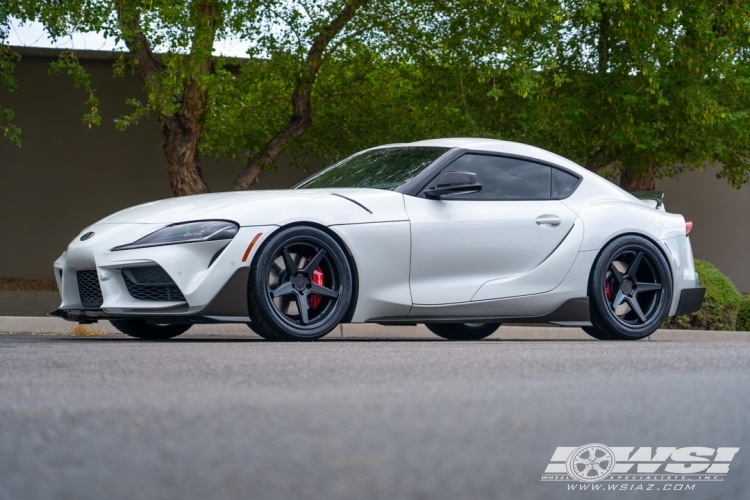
507 147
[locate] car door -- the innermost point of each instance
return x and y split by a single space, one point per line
504 231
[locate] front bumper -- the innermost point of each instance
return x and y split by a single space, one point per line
200 271
691 300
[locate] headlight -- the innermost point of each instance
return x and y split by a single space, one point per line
186 232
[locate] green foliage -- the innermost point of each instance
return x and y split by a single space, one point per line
654 87
719 311
68 62
8 61
650 87
743 314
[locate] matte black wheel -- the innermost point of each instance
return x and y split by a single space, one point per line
146 331
463 331
300 285
630 290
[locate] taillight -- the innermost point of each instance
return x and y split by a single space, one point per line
688 227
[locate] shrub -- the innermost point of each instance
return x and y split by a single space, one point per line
743 314
719 311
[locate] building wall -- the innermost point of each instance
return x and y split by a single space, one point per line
721 218
67 176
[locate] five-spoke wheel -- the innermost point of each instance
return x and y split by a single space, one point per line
300 285
630 290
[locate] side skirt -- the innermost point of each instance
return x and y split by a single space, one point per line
574 312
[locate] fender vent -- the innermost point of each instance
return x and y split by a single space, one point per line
151 283
89 289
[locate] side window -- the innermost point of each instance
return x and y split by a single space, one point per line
562 183
506 178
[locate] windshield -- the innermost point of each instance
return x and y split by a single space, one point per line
385 168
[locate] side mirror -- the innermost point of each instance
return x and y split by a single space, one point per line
453 183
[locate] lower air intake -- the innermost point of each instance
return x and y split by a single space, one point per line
89 289
151 283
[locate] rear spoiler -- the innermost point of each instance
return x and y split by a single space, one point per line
653 199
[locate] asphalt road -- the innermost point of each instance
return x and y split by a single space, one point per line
105 418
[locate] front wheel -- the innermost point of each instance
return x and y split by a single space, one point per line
463 331
630 290
300 285
146 331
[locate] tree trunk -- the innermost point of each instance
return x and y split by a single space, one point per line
181 131
300 121
632 181
180 148
302 108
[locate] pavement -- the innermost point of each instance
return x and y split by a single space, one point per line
44 325
216 416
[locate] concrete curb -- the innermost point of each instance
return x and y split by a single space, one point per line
21 324
36 304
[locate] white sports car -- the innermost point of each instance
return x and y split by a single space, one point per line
459 234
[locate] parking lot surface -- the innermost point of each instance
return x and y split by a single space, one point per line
239 418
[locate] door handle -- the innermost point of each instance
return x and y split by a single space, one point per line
549 220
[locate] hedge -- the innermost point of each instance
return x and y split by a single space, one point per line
743 314
720 307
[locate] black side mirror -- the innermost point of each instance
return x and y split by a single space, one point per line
453 183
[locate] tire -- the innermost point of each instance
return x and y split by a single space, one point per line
284 305
146 331
596 333
260 334
463 331
630 290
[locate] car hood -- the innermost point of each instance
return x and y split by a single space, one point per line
272 207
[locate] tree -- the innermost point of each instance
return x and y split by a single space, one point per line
649 88
170 45
643 89
305 79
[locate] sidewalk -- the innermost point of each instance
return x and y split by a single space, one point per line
20 324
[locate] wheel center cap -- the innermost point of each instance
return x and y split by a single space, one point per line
299 282
627 287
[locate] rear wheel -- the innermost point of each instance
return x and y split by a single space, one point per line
146 331
300 285
463 331
630 290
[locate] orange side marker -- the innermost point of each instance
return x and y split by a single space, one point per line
250 247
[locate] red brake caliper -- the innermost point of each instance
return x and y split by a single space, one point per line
607 290
318 280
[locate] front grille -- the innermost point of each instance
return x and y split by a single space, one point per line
151 283
89 289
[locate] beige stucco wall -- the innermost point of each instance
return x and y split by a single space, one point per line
67 176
